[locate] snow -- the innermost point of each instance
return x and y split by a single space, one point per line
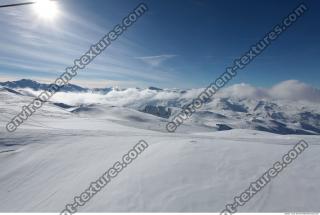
58 152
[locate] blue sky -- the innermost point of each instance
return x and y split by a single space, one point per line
178 43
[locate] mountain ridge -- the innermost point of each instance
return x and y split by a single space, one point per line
221 112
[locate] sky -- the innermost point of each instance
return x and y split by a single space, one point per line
176 44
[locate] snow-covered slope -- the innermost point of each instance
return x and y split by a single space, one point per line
73 140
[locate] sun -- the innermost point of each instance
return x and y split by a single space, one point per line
46 9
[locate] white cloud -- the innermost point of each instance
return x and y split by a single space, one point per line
295 90
243 91
156 60
288 90
291 90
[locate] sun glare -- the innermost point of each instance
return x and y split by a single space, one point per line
46 9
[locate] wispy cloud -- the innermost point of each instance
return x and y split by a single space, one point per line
31 47
156 60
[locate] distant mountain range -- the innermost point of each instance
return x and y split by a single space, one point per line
219 113
34 85
27 83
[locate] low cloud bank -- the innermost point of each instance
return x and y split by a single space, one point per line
291 90
287 90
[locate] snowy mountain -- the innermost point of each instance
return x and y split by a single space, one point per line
220 113
26 83
77 136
